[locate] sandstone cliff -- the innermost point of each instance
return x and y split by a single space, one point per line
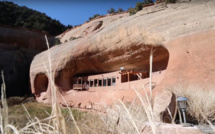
181 33
17 49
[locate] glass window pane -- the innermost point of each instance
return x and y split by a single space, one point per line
100 82
109 82
95 83
105 82
113 81
91 83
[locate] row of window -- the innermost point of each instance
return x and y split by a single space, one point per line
103 82
99 82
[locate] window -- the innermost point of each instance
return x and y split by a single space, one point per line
100 82
79 81
113 81
124 78
105 82
91 83
95 83
133 77
109 81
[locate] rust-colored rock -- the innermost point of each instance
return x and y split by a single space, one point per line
24 38
164 107
181 33
191 61
17 48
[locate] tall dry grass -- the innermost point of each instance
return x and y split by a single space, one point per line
124 118
58 122
200 101
34 124
4 125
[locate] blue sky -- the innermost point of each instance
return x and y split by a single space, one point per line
75 12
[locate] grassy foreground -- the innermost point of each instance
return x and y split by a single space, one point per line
115 119
88 122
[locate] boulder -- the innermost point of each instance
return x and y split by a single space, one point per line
165 107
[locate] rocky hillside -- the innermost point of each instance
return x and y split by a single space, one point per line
181 33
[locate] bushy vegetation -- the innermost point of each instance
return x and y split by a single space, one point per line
112 10
57 41
171 1
139 6
132 11
94 16
21 16
120 10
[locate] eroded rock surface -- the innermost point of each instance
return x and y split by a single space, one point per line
181 33
164 107
17 49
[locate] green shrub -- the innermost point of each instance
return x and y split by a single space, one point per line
112 10
94 16
139 6
148 1
120 10
171 1
132 11
57 41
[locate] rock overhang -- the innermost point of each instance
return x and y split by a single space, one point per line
107 49
84 59
98 46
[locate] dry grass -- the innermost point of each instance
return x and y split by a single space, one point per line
4 111
124 118
18 115
88 122
200 101
56 120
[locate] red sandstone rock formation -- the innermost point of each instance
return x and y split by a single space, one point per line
17 48
163 101
181 33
